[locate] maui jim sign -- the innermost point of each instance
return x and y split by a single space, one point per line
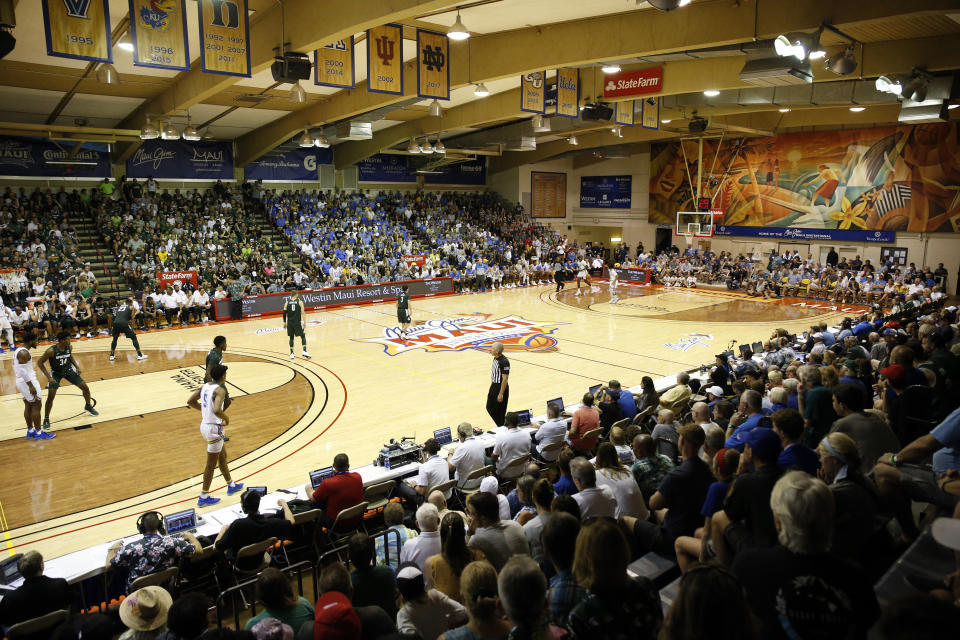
633 83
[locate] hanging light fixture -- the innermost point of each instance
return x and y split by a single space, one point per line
888 85
434 110
843 63
666 121
169 131
413 147
297 94
711 93
537 121
458 31
425 146
148 131
190 132
322 141
107 74
610 67
573 140
439 147
481 90
305 139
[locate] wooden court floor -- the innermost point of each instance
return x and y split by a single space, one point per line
363 386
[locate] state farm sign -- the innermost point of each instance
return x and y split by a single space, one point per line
633 83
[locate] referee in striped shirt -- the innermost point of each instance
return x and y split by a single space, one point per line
499 393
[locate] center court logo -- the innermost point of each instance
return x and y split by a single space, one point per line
690 341
460 334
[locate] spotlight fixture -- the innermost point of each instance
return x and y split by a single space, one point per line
857 109
843 63
915 88
413 147
668 5
169 132
439 147
785 110
148 131
711 93
321 141
457 31
305 139
785 47
434 109
573 140
297 94
481 90
888 85
610 67
107 74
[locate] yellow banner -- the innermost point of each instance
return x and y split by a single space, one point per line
78 29
650 113
624 114
568 93
224 37
433 69
158 29
533 92
333 65
385 59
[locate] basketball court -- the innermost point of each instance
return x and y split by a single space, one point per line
363 386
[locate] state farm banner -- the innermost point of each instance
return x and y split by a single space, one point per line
158 29
533 92
78 29
224 37
568 93
290 165
272 303
170 278
181 160
633 83
385 59
433 70
34 157
419 260
624 114
333 65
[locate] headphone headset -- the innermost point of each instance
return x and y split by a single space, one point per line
160 528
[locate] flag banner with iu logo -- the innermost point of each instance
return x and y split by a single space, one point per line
568 93
433 69
533 92
158 29
224 37
333 65
78 29
624 113
385 59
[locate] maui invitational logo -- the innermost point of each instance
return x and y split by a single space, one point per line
460 334
690 341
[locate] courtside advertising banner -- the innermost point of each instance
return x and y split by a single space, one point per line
333 65
174 159
170 278
385 59
419 260
224 37
533 92
433 70
158 29
632 275
272 303
78 29
568 93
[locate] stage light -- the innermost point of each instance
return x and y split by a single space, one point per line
888 85
843 63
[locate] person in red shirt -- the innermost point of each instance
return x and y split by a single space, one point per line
585 419
339 492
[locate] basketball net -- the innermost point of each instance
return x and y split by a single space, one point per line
11 279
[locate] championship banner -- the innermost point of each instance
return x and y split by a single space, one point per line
385 168
78 29
33 157
624 113
650 113
177 160
433 70
568 93
533 92
224 37
333 65
385 59
419 260
170 278
292 165
158 29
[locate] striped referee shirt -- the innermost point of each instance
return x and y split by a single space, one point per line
501 367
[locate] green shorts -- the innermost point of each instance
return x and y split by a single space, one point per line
70 375
294 330
403 316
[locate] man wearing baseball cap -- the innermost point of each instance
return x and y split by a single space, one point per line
334 616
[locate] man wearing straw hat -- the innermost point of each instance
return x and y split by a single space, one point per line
145 610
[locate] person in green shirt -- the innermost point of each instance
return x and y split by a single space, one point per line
107 188
403 309
62 365
293 321
279 601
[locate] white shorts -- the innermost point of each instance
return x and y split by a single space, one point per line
4 324
583 275
213 434
25 390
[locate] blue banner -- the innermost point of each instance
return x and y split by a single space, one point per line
291 165
470 174
385 168
803 233
605 192
33 157
178 160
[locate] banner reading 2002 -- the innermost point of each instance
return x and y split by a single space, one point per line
78 29
224 37
385 59
158 29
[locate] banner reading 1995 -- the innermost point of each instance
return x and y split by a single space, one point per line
224 37
78 29
159 34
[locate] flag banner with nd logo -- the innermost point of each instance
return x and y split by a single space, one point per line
433 70
624 113
158 29
568 93
224 37
333 65
385 59
533 92
78 29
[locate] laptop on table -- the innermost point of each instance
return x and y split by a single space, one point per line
443 436
318 476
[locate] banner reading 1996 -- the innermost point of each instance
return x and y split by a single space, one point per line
224 37
159 34
333 65
78 29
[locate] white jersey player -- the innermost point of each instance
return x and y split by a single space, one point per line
613 275
5 326
29 387
583 275
209 400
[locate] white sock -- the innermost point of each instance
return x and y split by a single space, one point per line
204 494
231 484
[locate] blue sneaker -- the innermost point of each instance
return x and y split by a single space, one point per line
234 489
30 434
44 435
208 501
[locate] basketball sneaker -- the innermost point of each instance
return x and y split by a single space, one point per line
89 408
142 356
291 355
112 357
46 424
30 434
41 435
305 354
237 486
207 501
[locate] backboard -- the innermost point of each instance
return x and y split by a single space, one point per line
695 224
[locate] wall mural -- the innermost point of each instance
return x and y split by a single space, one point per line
904 178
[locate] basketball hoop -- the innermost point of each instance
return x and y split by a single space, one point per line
695 224
13 279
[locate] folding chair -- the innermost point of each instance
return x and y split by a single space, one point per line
443 487
166 579
37 626
200 571
338 531
462 493
377 495
667 447
262 550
